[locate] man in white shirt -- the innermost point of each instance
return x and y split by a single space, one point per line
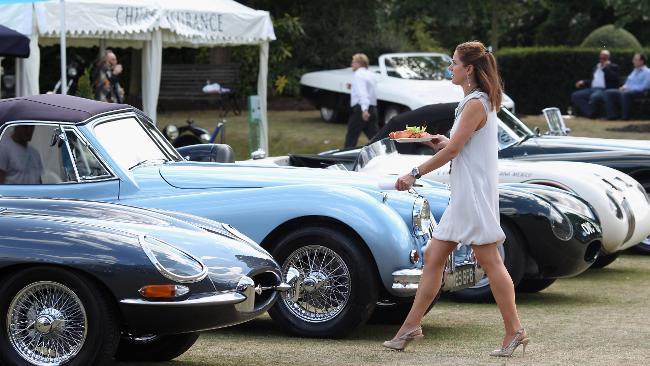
363 102
19 162
605 76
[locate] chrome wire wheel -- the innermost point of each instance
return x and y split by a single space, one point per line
324 286
46 323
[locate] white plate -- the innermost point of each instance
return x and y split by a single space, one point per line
413 139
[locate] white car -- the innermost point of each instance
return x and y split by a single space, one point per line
405 81
618 200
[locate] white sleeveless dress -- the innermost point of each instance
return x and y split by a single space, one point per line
472 217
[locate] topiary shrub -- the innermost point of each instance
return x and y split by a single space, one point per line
609 36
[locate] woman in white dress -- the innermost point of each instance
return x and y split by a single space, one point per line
472 217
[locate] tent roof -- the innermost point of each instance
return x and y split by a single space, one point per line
186 22
13 43
53 107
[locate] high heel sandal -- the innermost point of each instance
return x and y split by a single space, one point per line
518 339
400 343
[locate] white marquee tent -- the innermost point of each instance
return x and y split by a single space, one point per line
147 24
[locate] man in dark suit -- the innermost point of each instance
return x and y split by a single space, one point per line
605 76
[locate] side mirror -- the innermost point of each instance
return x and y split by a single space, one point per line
58 137
537 131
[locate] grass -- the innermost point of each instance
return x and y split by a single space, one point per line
592 127
289 131
598 318
305 132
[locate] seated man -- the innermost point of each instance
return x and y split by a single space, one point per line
19 162
636 83
605 76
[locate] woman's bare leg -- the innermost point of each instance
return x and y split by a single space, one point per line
502 287
430 282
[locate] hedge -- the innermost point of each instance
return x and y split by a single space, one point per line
540 77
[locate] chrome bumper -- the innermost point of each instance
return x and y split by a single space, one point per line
243 298
214 299
406 281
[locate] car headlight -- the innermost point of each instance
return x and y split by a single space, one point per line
171 132
565 201
616 208
560 224
422 219
205 137
172 262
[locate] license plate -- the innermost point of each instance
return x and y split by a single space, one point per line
464 277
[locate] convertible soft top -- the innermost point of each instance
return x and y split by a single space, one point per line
53 107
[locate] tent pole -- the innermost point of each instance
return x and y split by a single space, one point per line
64 76
261 91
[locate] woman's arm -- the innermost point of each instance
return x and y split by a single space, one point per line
473 118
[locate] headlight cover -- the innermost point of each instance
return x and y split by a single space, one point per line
172 262
422 219
560 224
566 202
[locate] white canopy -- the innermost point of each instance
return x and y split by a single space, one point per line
146 24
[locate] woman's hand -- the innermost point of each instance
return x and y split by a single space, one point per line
437 142
404 182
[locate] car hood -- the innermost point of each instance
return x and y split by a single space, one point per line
189 175
570 144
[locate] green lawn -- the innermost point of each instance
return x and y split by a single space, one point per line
305 132
598 318
289 131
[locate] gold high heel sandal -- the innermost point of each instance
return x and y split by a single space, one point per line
400 343
518 339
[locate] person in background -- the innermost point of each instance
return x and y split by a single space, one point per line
363 100
605 76
106 82
636 83
19 162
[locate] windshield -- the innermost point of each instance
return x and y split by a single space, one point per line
511 129
128 143
369 152
420 67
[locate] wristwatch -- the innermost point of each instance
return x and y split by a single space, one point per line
415 172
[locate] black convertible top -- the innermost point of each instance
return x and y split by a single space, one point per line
53 107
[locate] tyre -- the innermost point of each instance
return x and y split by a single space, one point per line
532 285
186 140
604 260
338 286
514 256
396 313
55 316
329 114
644 246
155 348
391 111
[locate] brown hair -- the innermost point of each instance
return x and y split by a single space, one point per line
485 68
361 58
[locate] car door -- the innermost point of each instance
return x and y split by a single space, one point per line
40 159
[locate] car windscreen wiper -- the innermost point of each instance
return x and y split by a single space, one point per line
147 161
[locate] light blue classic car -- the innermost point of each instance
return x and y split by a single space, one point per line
350 244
